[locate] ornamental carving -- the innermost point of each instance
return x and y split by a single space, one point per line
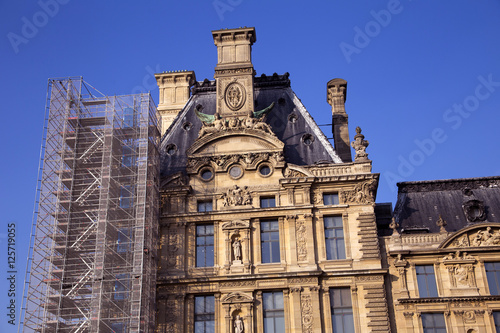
362 193
359 144
474 211
462 276
235 96
307 313
486 236
233 284
234 123
237 224
300 230
237 297
236 196
222 162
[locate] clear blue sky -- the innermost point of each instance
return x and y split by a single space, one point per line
423 76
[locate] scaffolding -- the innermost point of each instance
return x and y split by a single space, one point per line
92 263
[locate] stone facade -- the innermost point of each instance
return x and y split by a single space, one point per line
263 222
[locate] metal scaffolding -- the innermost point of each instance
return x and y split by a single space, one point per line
92 264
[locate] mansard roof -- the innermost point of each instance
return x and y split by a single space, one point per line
289 120
460 202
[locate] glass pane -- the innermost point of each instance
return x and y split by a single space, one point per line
266 253
432 288
267 299
278 300
199 327
341 249
268 325
199 304
274 235
279 325
210 327
209 256
210 304
275 252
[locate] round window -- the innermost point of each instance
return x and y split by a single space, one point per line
265 170
206 174
171 149
235 171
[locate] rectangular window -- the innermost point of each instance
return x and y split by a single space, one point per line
204 314
121 287
274 313
433 323
426 281
123 241
118 327
267 202
128 117
341 307
205 245
126 196
270 241
334 237
330 198
496 318
205 206
128 154
493 276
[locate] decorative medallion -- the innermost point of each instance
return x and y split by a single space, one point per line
235 96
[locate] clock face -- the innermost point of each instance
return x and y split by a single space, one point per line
235 96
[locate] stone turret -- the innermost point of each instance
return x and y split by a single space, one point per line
336 96
234 72
174 93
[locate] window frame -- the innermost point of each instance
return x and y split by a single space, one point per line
210 253
433 329
204 203
343 308
493 275
268 239
266 200
336 239
426 275
334 196
204 315
273 312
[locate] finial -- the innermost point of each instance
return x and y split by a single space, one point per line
394 226
441 224
359 144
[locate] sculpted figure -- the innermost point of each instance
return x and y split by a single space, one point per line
238 325
237 249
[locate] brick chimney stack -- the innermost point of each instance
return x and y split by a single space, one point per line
336 96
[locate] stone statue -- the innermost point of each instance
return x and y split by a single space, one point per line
237 249
238 325
359 144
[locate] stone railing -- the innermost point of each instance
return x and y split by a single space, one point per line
340 169
414 241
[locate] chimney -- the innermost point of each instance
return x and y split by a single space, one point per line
174 94
234 71
336 96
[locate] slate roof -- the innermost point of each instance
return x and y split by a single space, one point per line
420 203
276 88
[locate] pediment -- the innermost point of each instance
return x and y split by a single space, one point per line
238 224
237 297
235 141
479 235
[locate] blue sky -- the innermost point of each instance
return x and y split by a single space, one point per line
423 76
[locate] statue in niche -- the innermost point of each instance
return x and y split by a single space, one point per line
238 325
237 249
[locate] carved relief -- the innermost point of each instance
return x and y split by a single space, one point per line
221 162
174 244
462 276
237 249
235 96
233 284
474 210
307 313
236 196
300 230
489 236
362 193
289 173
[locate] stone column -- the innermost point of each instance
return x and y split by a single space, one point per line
315 311
283 257
295 311
245 250
188 321
327 311
259 309
310 245
228 249
286 301
292 244
161 318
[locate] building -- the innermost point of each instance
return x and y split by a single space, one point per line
246 218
